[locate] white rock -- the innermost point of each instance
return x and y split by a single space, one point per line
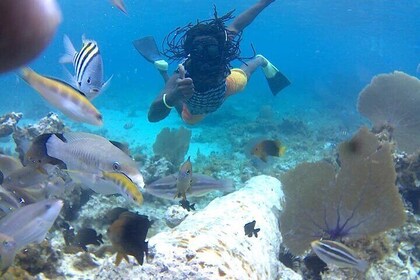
211 243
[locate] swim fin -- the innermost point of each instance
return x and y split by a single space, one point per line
276 80
147 47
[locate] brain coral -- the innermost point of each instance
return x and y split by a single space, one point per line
393 101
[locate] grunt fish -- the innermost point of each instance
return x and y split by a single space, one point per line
120 5
200 185
25 225
64 97
127 188
184 180
267 148
88 157
336 253
88 67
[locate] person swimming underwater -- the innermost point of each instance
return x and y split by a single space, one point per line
204 78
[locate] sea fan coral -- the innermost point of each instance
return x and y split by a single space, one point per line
360 200
173 144
393 101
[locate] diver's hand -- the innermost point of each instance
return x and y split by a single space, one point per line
184 86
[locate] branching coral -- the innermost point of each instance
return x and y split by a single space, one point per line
173 144
392 101
360 200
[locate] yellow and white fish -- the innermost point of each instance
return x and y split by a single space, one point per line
336 253
126 187
64 97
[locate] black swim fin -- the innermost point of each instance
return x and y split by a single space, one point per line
277 83
276 80
147 47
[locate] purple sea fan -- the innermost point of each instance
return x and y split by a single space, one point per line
360 200
392 101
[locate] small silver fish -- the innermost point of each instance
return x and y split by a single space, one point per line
88 67
26 225
201 185
336 253
183 182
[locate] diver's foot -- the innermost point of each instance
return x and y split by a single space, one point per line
269 69
161 65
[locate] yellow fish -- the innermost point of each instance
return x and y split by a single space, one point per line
267 148
127 188
64 97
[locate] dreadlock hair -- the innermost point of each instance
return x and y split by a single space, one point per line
179 42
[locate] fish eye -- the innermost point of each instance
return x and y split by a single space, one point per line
116 166
88 80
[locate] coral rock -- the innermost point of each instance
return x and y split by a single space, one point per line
175 215
8 123
211 243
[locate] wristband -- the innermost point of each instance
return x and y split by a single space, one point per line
164 102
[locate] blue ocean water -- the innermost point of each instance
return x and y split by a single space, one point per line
328 49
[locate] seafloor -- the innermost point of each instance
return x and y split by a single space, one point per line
218 148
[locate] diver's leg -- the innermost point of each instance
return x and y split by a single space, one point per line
253 64
276 80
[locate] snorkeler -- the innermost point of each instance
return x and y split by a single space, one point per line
204 79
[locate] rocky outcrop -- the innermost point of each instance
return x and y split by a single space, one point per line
211 243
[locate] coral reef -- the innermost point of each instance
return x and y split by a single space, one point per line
408 179
360 200
211 243
392 101
173 144
8 123
23 136
175 215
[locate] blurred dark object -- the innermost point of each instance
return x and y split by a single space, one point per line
26 28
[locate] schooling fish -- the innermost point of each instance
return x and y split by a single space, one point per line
64 97
120 5
128 236
267 148
201 185
127 188
336 253
88 67
184 179
26 225
88 157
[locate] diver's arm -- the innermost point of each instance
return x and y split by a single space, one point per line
177 89
245 18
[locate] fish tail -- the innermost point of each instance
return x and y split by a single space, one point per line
70 51
54 146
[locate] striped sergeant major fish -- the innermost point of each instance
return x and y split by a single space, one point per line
70 101
88 67
336 253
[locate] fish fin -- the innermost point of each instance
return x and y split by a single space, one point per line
119 258
70 78
70 51
106 84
